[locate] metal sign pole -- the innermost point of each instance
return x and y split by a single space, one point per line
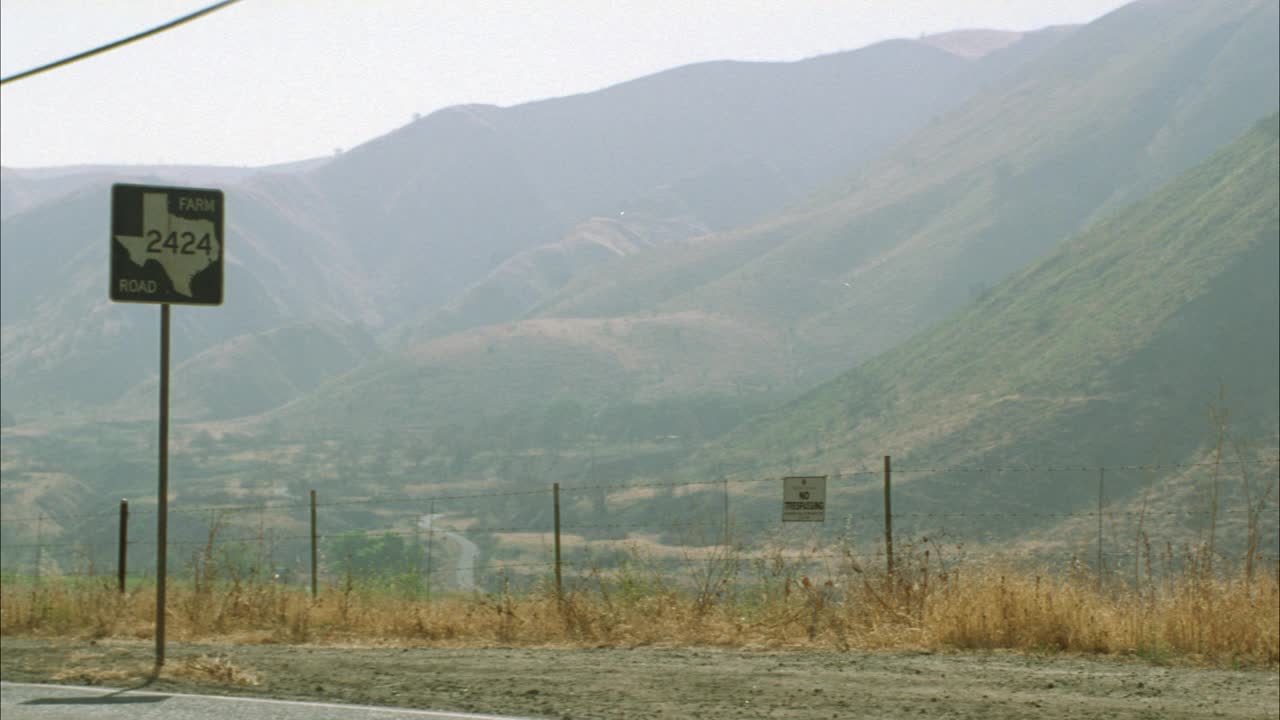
162 514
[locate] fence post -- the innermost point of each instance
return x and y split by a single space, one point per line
431 536
122 560
888 516
162 505
40 547
1102 473
555 499
315 554
726 512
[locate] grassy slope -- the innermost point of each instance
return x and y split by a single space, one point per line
518 367
1108 111
254 373
1106 115
1104 352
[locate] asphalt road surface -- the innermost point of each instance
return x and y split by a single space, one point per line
25 701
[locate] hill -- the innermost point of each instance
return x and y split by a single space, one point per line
24 188
66 348
708 146
406 225
253 373
1098 119
1111 351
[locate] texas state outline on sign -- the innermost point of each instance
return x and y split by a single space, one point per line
180 267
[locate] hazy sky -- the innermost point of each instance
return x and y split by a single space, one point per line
268 81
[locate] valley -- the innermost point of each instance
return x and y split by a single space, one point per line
1013 295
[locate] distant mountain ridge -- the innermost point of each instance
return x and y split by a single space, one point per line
972 43
400 228
23 188
1005 177
1099 119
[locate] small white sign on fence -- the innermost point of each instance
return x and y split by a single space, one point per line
804 499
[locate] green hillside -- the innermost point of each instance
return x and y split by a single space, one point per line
1105 115
253 373
527 367
1110 351
526 278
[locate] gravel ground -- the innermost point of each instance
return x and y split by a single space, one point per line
708 684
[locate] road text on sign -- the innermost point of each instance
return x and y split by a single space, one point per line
167 245
804 499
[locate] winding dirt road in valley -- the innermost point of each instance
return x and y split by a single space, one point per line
464 576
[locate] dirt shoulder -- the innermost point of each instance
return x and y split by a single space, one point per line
663 683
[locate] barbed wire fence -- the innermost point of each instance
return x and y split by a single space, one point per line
1103 519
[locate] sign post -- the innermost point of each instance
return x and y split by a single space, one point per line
804 499
162 505
166 248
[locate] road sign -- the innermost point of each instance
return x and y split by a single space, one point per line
166 248
167 245
804 499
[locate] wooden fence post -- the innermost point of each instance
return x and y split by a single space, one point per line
39 547
315 552
122 558
431 536
1102 473
888 517
555 499
727 542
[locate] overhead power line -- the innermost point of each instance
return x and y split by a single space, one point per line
118 43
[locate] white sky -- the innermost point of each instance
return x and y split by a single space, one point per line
268 81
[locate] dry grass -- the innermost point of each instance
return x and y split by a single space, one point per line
725 600
217 670
90 670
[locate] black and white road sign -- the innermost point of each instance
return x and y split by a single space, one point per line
804 499
167 245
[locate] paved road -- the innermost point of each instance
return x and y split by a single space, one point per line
25 701
468 555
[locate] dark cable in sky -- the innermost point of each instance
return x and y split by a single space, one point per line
118 43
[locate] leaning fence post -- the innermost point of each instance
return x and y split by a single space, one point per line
555 500
314 550
122 559
888 517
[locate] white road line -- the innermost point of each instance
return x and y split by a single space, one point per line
271 701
